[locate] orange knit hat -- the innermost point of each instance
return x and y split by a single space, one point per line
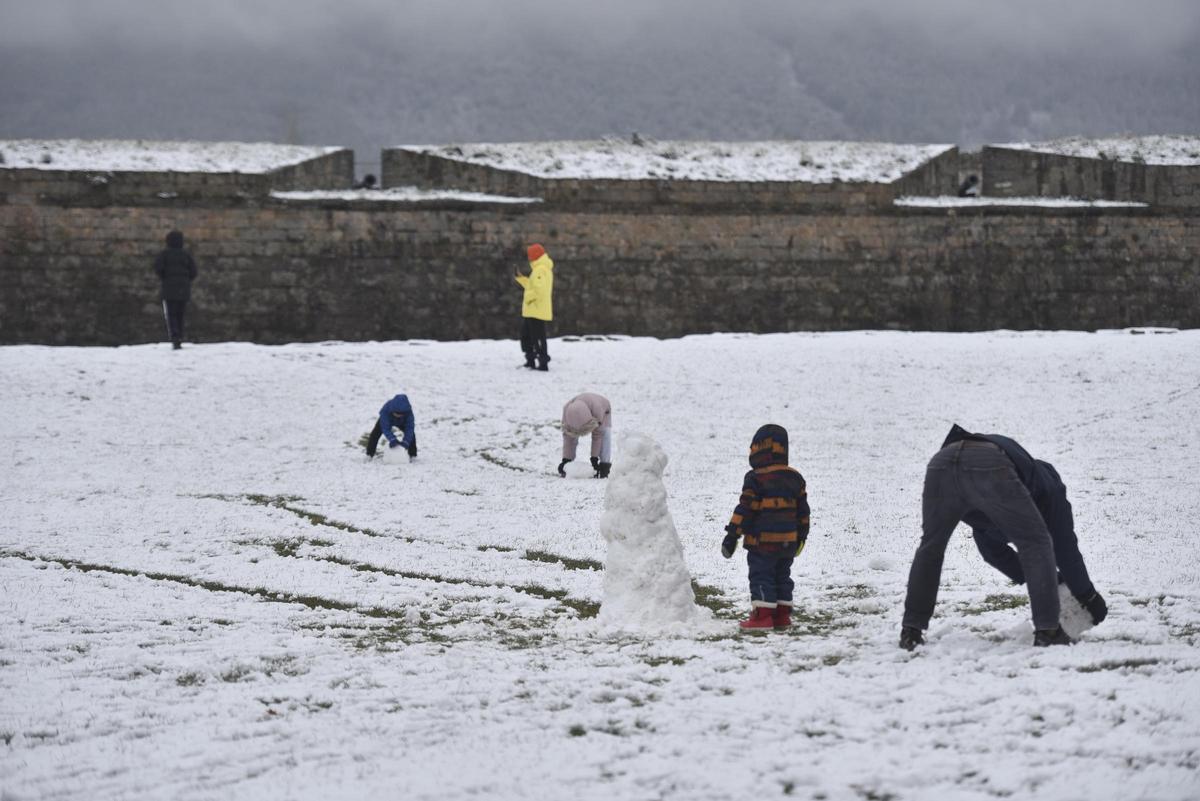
535 252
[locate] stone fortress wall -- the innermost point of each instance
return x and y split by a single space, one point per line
647 258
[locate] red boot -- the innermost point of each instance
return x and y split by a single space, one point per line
761 618
782 619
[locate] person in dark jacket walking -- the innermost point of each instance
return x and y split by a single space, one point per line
396 413
1006 496
771 518
176 269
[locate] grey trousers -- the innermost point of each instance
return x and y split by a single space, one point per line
977 476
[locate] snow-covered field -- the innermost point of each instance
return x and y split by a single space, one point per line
811 162
207 592
1179 150
144 155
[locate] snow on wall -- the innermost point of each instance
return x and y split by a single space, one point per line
949 202
139 155
1165 149
809 162
410 194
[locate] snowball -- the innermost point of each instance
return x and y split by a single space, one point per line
881 563
1074 619
646 582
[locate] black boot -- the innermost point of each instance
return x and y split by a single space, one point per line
1054 636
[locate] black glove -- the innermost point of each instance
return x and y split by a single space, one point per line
1095 606
729 544
595 465
602 470
561 465
911 637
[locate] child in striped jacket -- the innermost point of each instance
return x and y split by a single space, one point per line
771 518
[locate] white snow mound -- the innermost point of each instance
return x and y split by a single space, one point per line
646 582
622 159
1074 619
1182 151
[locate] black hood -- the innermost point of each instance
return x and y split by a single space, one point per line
175 239
957 433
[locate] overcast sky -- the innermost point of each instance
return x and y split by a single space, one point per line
1129 25
374 72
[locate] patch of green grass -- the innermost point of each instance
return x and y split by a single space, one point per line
806 620
996 603
488 456
854 592
570 563
235 674
1118 664
655 661
311 601
286 503
714 599
190 679
290 547
574 731
7 737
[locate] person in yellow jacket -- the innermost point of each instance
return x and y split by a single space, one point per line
537 309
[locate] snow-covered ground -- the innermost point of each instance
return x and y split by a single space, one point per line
811 162
138 155
401 193
207 592
1178 150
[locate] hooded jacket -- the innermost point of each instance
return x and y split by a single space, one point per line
176 269
398 412
772 512
1049 495
587 413
539 289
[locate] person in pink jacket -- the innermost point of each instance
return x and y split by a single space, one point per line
588 413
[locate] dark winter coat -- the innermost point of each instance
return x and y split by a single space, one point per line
1050 497
772 512
176 269
398 412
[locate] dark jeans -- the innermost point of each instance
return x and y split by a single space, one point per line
377 432
173 312
533 341
771 576
971 476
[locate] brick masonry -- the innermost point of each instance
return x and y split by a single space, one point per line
1021 173
76 270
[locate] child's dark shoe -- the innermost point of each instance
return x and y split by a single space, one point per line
1055 636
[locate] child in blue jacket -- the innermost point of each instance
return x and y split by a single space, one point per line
396 413
771 517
